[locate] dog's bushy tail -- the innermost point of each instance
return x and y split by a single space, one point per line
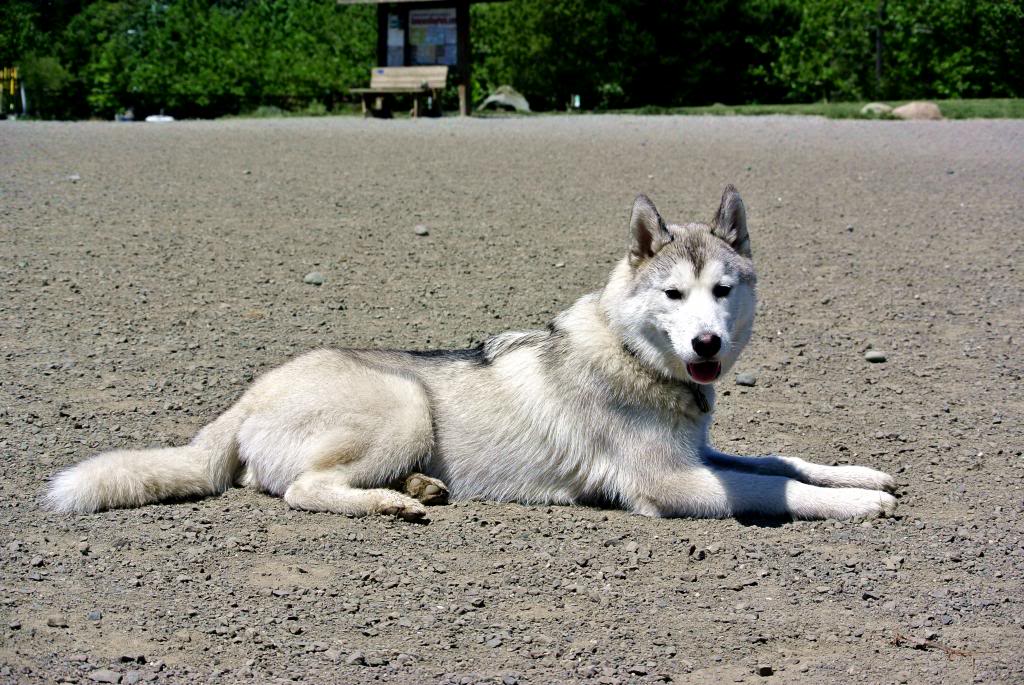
130 478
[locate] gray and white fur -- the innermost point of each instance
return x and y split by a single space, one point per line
610 403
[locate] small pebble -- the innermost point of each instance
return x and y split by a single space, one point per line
764 670
95 615
57 622
356 658
83 547
875 356
105 675
420 229
747 379
314 278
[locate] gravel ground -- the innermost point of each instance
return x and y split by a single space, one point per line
149 272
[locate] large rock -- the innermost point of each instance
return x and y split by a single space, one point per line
876 109
506 97
918 110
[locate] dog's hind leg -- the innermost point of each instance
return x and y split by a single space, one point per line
330 432
350 464
806 471
717 493
331 491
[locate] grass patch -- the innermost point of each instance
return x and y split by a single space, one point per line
996 108
999 108
312 109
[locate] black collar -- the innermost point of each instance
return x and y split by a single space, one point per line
695 390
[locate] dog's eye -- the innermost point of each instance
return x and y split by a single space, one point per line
673 294
721 290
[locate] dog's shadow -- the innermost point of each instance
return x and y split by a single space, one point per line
763 521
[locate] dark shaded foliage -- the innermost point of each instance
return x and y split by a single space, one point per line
85 58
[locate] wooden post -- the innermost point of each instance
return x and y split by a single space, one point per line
465 58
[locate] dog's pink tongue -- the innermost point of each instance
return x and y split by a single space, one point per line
704 372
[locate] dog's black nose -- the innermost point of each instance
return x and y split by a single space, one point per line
707 345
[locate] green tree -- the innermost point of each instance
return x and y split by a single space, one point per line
18 33
630 52
552 49
45 83
100 46
929 48
954 48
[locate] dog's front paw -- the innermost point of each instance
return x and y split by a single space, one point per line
864 477
886 504
869 504
853 477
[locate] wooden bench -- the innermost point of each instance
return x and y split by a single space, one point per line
388 81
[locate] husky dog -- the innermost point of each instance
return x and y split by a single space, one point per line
610 403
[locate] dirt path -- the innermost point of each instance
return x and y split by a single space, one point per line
148 272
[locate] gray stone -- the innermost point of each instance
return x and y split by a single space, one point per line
420 229
506 97
105 675
356 658
57 622
95 615
748 379
764 670
314 278
875 356
876 109
918 110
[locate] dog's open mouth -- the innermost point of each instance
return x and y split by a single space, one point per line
704 372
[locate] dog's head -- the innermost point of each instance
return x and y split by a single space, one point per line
683 299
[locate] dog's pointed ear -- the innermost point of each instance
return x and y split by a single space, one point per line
647 232
730 222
